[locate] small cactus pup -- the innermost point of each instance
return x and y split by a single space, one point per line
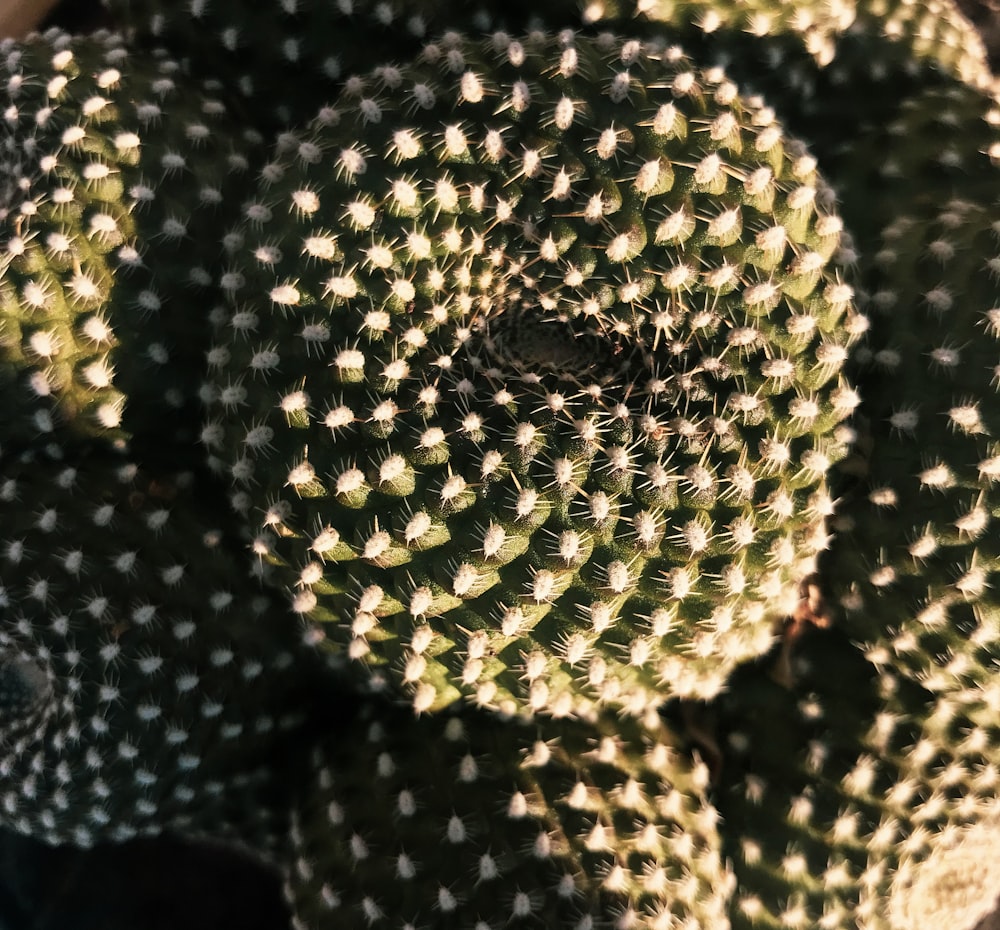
532 377
856 799
567 825
284 60
145 685
916 560
127 176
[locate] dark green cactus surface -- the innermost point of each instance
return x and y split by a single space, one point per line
857 800
140 668
918 547
287 76
432 434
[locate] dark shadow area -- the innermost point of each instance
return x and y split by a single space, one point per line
155 884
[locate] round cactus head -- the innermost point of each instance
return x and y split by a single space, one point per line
916 556
854 798
144 684
532 378
562 824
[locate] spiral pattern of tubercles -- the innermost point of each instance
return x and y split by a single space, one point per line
476 431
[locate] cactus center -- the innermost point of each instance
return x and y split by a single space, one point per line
25 689
536 342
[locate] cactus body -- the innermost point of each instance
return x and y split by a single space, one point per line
855 800
924 31
126 169
537 406
917 553
559 824
285 60
146 686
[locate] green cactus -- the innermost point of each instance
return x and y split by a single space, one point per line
527 362
814 62
932 31
125 170
542 461
857 800
504 824
146 684
917 556
287 59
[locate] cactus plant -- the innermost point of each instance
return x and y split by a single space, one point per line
146 684
916 558
295 68
104 243
564 824
527 361
543 463
856 799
